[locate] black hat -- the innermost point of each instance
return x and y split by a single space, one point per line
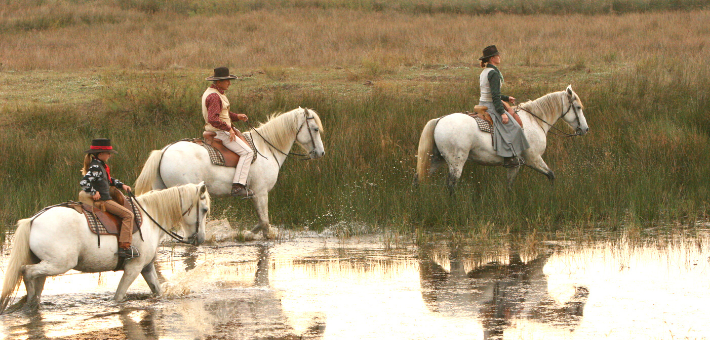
99 145
221 73
490 51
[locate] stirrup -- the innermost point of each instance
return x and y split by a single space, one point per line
129 253
513 162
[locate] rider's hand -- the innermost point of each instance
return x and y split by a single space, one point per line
232 135
127 188
242 117
505 118
511 100
96 196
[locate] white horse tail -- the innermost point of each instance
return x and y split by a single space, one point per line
427 149
19 257
150 173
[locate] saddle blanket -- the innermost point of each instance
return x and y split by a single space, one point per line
97 227
216 157
483 124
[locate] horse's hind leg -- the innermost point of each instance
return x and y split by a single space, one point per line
455 170
512 173
34 276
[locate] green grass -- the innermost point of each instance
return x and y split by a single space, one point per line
645 159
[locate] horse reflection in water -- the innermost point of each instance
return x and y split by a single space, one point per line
497 293
247 310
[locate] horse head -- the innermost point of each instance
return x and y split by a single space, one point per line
572 112
309 134
196 207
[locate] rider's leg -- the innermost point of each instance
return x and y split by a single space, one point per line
125 237
245 157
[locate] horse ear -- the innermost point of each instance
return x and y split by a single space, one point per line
569 90
203 188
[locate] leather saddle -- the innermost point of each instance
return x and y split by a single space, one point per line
481 111
111 223
230 157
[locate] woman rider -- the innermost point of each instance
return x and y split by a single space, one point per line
508 138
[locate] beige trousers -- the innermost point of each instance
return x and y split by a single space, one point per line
126 216
245 156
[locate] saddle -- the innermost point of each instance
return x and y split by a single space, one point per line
102 222
484 120
220 154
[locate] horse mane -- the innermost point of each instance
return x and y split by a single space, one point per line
165 205
280 127
548 104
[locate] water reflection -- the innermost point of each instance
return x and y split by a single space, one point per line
321 288
495 293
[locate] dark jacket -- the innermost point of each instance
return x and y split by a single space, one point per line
97 179
495 79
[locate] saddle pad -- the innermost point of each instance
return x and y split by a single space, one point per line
483 124
216 157
97 227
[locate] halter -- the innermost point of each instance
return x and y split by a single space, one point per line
571 107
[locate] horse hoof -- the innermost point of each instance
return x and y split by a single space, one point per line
272 233
247 236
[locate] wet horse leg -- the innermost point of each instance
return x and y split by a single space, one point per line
130 273
151 278
261 204
34 276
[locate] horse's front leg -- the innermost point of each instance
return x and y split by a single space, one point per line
130 273
512 173
539 165
151 278
261 204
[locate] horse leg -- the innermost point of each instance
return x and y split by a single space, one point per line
455 170
261 204
512 173
35 275
151 278
130 273
537 164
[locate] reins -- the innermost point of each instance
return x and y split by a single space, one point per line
172 234
571 105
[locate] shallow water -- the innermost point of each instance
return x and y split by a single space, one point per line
368 287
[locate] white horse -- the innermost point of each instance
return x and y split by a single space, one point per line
59 239
186 162
457 138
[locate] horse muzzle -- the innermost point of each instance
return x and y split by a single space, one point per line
582 131
315 154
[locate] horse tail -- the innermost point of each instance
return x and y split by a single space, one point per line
427 148
150 173
19 257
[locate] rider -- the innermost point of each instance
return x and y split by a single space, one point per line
508 137
218 118
97 181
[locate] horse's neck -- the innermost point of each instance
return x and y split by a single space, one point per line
544 110
279 137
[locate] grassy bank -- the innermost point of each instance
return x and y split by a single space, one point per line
644 162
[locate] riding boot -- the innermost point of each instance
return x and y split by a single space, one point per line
238 190
127 251
512 162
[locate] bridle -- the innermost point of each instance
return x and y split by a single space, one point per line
570 107
305 121
175 236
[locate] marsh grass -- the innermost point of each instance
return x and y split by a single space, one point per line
644 162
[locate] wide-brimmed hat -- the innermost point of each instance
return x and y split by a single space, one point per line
221 73
99 145
489 51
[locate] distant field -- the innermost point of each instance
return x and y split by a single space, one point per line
133 71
